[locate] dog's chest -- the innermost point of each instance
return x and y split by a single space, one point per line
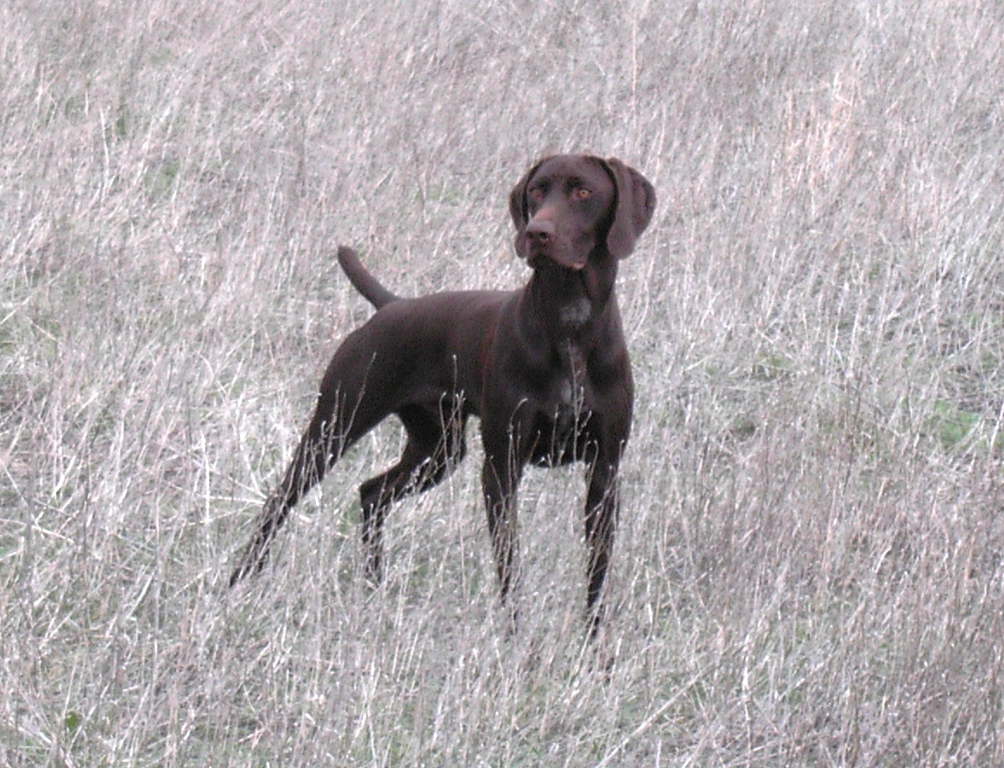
568 388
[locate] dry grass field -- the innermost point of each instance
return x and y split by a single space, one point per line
810 565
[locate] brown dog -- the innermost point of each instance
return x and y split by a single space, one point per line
545 368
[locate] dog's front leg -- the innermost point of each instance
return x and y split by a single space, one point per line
601 521
505 457
500 480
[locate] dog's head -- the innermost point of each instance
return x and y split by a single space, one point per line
567 204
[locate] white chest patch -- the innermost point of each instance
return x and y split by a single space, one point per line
569 390
574 314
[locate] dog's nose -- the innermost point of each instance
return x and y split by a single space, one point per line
540 230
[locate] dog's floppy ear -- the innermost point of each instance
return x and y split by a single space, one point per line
518 210
635 204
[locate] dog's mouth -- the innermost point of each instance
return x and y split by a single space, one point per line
561 258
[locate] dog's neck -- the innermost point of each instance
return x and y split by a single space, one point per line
570 303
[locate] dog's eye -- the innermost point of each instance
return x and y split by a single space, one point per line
536 194
581 193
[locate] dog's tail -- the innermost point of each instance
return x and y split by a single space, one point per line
363 281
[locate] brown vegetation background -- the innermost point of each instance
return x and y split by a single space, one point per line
809 567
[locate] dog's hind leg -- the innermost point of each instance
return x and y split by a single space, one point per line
435 445
346 409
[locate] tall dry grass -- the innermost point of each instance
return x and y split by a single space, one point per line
809 565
